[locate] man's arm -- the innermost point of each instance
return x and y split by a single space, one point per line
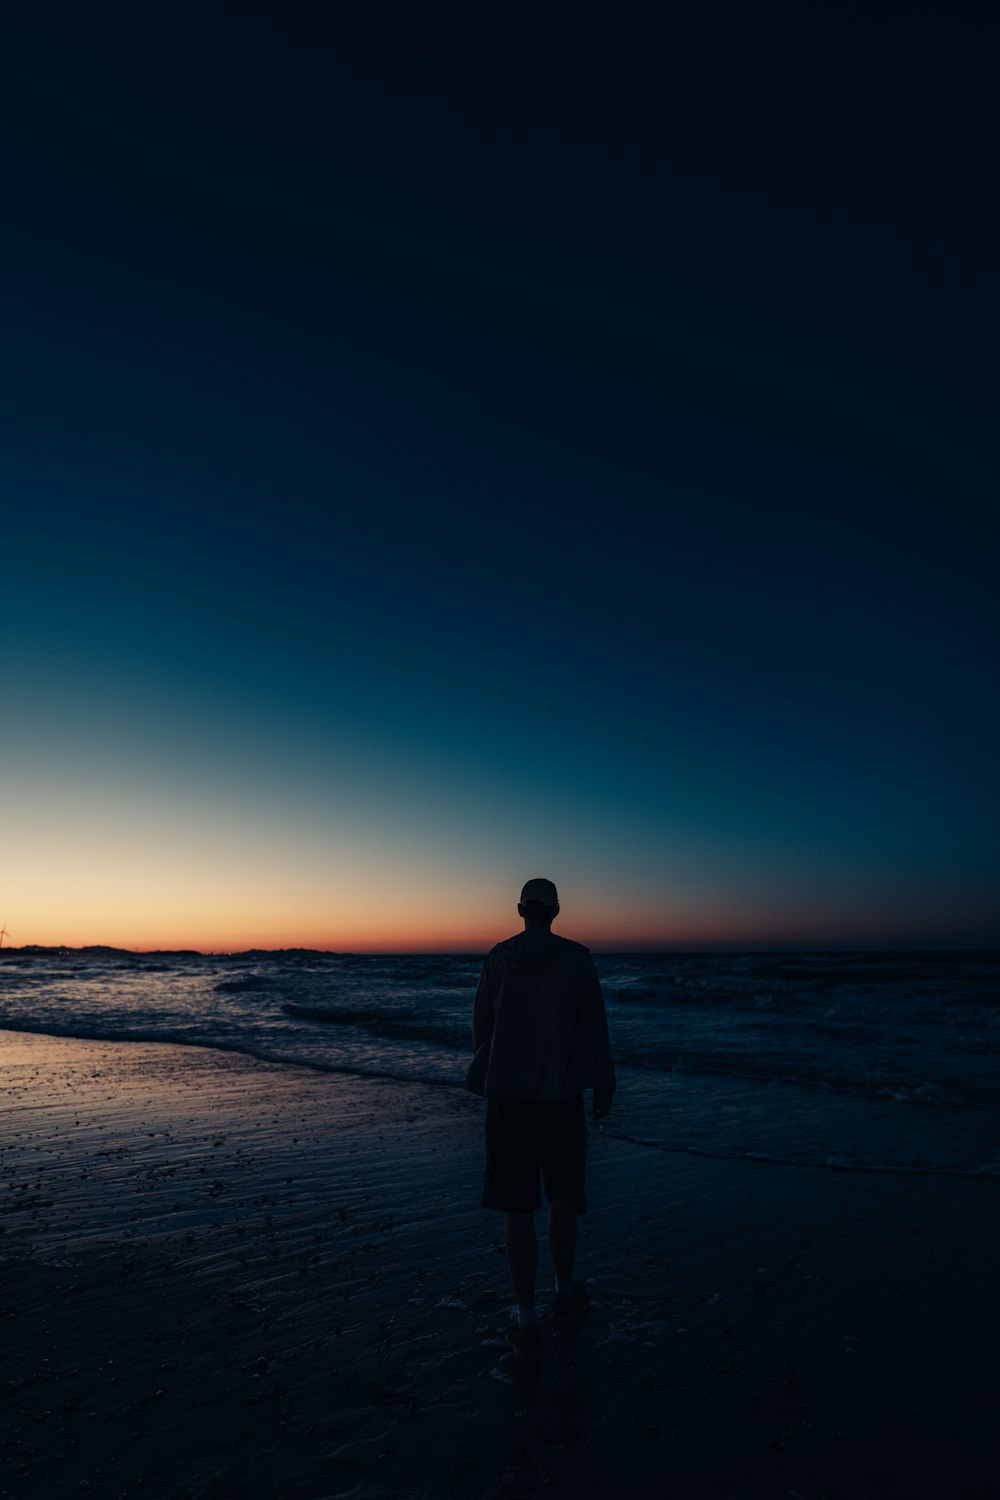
482 1032
593 1022
482 1011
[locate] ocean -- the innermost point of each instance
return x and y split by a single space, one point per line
851 1061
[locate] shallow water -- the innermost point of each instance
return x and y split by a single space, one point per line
869 1061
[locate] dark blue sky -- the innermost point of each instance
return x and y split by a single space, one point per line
442 447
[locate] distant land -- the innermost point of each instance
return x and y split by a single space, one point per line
606 950
172 952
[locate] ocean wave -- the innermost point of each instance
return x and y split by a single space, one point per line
805 1004
800 1071
398 1025
864 968
825 1163
166 1037
987 999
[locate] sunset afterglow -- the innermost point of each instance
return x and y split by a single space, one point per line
370 548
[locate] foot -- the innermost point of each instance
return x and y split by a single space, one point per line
569 1312
523 1341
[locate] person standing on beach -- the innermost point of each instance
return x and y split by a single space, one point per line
539 1038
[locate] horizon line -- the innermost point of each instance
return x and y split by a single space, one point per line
598 946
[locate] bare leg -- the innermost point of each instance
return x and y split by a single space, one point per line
562 1237
521 1245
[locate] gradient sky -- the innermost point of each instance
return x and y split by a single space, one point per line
443 447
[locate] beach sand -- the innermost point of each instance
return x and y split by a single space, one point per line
227 1278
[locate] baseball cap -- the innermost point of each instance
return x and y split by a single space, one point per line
540 890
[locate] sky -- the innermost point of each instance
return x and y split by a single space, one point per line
443 446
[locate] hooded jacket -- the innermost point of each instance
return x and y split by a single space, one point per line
539 1027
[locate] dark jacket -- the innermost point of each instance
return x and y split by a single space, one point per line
539 1028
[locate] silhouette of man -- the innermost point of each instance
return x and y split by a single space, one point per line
539 1038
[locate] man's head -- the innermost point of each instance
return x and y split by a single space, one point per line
539 903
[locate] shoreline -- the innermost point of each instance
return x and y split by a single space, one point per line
305 1064
227 1277
762 1158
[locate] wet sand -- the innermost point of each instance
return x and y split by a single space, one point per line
228 1278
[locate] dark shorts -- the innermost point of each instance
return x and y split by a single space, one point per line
528 1137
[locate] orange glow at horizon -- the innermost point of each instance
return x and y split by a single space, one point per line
381 931
362 925
130 875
